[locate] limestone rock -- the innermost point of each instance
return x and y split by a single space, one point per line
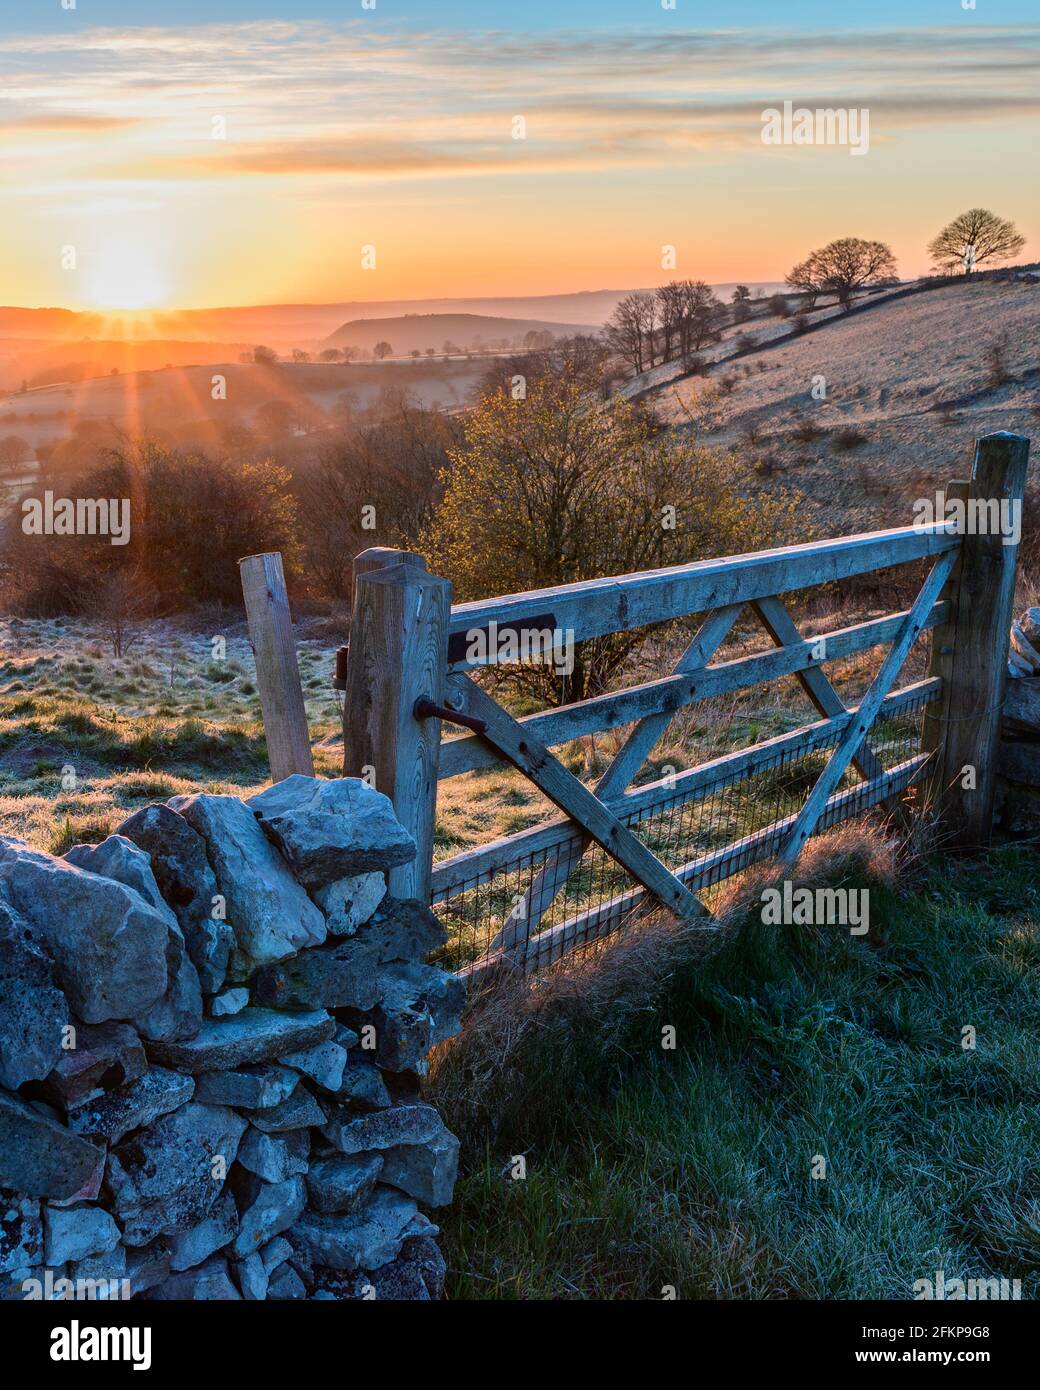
254 1035
149 1266
363 1086
300 1111
117 857
188 885
417 1274
333 829
21 1232
217 1229
101 1058
274 1157
1029 622
419 1007
33 1011
404 929
107 942
101 1274
343 1184
39 1158
348 903
115 1113
178 1014
271 914
323 1064
31 1284
251 1087
1025 639
357 1240
275 1209
73 1233
166 1179
426 1171
383 1129
232 1001
286 1283
208 1281
332 977
252 1277
275 1252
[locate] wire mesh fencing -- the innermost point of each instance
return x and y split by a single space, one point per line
573 896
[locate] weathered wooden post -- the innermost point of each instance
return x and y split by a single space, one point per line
398 656
970 651
277 671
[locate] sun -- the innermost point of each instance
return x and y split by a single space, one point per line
123 276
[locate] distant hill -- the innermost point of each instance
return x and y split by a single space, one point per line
305 325
416 332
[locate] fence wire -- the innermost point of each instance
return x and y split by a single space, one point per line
723 828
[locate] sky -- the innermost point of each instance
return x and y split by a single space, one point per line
196 153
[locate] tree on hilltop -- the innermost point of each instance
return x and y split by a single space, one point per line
841 268
975 236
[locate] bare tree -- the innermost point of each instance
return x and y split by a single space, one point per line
702 318
670 309
843 267
383 349
975 236
14 451
630 330
118 602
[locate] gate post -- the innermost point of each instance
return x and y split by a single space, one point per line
970 651
277 670
398 655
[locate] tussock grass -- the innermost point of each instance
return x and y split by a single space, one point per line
691 1167
169 718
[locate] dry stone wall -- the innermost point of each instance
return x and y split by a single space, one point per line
213 1031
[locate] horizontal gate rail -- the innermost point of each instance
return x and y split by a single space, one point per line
585 928
673 693
475 867
596 607
410 651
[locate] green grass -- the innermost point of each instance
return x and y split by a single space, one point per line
646 1168
162 720
691 1168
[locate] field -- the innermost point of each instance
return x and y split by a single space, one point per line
688 1169
645 1168
909 385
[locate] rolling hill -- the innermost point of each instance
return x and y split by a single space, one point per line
418 332
901 391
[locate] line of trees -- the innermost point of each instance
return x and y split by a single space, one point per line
843 268
677 320
672 323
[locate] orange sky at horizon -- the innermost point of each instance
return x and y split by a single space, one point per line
119 197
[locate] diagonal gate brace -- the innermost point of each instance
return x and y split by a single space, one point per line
549 775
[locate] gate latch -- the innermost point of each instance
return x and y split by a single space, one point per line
426 709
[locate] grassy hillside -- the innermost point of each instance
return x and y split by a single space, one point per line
909 384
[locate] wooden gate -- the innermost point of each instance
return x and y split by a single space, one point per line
411 654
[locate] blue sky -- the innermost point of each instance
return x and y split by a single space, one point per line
27 16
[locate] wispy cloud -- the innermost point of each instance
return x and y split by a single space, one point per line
308 99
